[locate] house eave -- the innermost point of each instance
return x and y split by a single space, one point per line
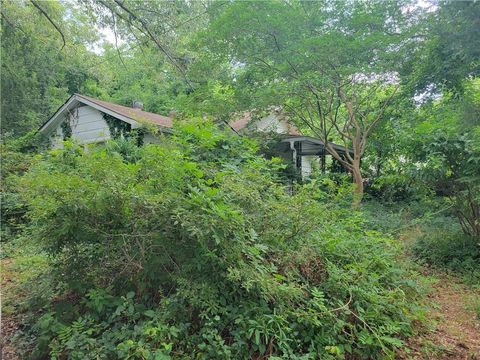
49 125
303 138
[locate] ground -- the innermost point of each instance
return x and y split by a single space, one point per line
9 325
453 331
16 268
458 326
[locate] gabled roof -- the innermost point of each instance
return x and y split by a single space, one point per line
132 116
132 113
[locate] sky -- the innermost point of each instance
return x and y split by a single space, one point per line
107 36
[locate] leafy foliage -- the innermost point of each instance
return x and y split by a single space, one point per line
456 253
38 74
393 188
300 56
449 51
199 248
196 250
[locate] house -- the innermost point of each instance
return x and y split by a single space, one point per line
92 121
88 120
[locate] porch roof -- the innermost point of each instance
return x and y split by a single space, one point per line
313 146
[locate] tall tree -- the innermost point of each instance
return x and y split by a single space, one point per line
447 50
41 64
161 24
332 65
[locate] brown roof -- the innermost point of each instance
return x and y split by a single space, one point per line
240 123
243 121
134 114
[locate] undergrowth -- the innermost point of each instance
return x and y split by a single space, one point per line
194 249
455 253
430 233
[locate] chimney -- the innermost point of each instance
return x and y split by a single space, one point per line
137 105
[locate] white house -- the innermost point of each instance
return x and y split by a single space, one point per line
88 120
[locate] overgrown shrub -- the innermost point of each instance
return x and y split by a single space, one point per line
428 214
452 167
452 251
15 160
396 187
194 249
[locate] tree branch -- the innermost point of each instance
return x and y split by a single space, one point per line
50 20
377 119
150 34
116 39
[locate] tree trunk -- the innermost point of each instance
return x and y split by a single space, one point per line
358 180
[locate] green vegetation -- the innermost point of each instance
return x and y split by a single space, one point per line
455 252
182 253
205 246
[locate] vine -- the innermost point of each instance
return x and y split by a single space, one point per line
66 129
121 129
138 135
118 128
67 124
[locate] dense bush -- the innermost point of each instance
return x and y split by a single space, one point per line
452 251
16 155
395 187
430 232
194 249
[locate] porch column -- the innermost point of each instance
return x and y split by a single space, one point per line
294 153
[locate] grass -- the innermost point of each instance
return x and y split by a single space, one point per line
475 306
449 263
430 235
21 263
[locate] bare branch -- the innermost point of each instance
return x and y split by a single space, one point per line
10 23
144 28
116 40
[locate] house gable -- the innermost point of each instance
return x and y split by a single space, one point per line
83 118
86 124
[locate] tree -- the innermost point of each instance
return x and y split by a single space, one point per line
40 67
161 24
331 65
447 50
446 142
349 112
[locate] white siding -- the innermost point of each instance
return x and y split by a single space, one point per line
309 163
273 124
56 138
88 126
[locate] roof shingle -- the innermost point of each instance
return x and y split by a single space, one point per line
134 114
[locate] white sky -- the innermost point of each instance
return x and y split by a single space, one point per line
107 36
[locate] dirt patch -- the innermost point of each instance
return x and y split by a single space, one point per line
456 331
8 325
